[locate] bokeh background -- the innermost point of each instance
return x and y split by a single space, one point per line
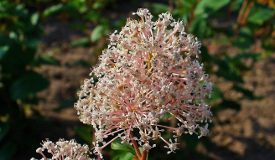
47 48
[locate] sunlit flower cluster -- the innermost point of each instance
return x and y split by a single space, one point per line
150 70
64 150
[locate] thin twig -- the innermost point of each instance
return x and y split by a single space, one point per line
171 5
242 11
251 4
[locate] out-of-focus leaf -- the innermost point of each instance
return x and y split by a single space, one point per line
198 27
48 60
229 76
4 129
246 93
99 4
207 143
120 23
215 96
207 7
17 57
230 104
32 43
66 104
84 63
34 18
13 35
158 7
116 145
98 32
7 151
242 42
3 51
228 71
253 55
246 32
237 5
191 141
92 15
53 9
81 42
5 15
28 85
85 133
259 14
244 39
81 27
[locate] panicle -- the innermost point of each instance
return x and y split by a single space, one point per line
149 71
64 149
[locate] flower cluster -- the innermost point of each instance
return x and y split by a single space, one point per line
149 70
64 150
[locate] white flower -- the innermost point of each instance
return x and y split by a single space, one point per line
64 150
149 70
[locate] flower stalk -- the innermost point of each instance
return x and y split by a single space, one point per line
135 146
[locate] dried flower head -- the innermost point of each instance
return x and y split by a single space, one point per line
148 71
64 150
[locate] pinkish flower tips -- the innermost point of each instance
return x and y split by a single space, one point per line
149 70
64 150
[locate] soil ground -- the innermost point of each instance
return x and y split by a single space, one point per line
246 134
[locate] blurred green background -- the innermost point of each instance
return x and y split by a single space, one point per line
47 48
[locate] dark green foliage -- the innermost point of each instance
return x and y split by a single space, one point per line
27 85
20 33
122 151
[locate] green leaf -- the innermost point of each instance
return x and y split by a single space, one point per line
259 14
191 141
48 60
99 4
66 104
198 27
246 93
4 129
92 15
98 32
215 96
205 8
158 7
3 51
85 133
5 15
84 63
32 43
246 32
7 151
28 85
228 70
242 42
230 104
78 26
123 156
53 9
116 145
34 18
80 42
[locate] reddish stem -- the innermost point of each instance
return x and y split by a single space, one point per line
240 16
251 4
135 145
144 155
